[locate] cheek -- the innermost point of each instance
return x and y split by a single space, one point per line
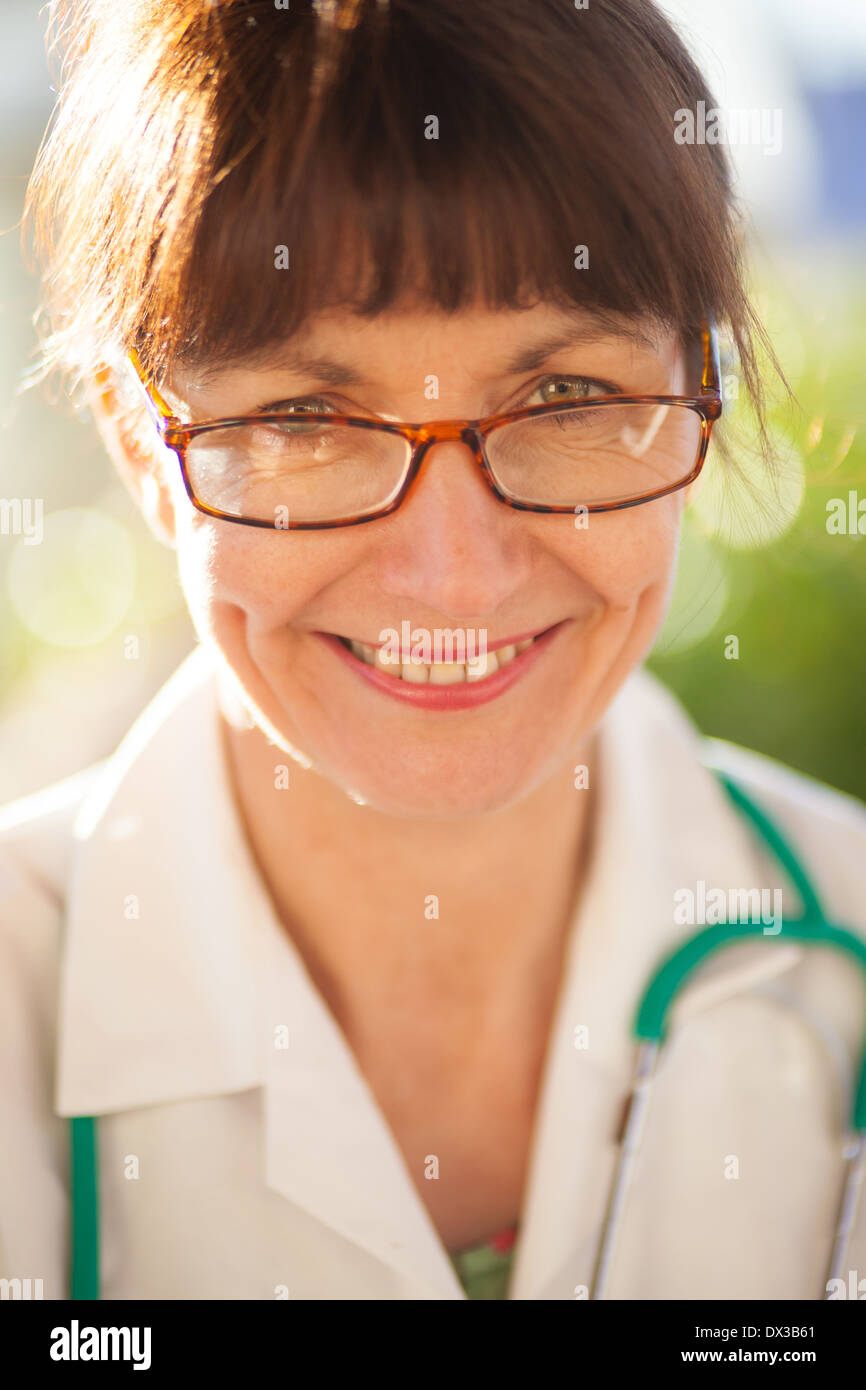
624 557
234 574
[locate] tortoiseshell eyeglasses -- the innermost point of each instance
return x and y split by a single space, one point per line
307 470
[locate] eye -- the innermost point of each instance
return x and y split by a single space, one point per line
554 389
308 405
298 404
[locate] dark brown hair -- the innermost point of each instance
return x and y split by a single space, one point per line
191 139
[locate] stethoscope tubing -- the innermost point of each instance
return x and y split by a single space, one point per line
650 1027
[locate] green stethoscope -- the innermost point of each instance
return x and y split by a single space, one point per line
649 1029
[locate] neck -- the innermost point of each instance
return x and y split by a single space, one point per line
384 909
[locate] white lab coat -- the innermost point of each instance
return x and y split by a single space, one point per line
232 1168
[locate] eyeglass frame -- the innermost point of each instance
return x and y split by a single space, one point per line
177 435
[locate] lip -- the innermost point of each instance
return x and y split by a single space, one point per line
463 695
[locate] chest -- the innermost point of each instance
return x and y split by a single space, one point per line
465 1135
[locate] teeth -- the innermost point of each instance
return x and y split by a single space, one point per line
415 675
367 654
384 663
484 666
447 673
439 672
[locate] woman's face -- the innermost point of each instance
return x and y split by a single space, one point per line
452 557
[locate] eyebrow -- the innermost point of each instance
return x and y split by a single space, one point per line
334 373
529 358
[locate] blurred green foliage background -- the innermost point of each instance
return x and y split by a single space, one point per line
796 600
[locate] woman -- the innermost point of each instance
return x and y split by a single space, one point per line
342 947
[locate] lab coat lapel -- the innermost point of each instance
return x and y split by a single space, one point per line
663 824
161 913
329 1149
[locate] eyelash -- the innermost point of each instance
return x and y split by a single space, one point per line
320 404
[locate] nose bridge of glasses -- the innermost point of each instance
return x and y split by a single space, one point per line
424 437
443 432
446 432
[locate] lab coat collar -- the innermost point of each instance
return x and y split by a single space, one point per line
179 981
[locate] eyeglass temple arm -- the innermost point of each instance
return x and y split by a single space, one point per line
157 407
711 376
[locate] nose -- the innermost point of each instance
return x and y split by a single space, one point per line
452 546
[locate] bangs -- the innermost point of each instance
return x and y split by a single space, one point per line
219 173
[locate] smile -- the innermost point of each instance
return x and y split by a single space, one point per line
479 668
444 685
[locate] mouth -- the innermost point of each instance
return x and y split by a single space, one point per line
444 685
404 668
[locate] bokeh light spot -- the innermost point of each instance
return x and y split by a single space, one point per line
73 589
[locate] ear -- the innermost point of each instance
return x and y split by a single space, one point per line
136 451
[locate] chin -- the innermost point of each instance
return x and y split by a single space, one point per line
440 773
431 792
